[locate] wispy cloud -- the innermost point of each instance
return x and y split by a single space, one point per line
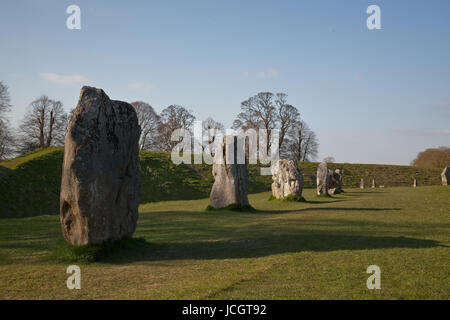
63 79
269 74
266 74
141 86
443 132
423 132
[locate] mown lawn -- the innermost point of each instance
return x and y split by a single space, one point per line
286 250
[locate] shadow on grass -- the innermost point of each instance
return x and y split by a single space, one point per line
347 209
135 250
4 171
332 200
302 210
66 252
252 212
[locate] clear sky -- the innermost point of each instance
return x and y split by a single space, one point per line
371 96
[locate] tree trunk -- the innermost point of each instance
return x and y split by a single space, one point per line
50 130
41 128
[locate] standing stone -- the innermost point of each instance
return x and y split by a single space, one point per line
230 177
322 179
100 178
445 175
374 184
334 181
415 183
361 184
287 179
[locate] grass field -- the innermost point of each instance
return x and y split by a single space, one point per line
285 250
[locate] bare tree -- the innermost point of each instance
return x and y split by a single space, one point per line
5 103
173 117
258 112
6 137
310 147
302 143
212 128
6 141
44 124
287 116
149 121
329 159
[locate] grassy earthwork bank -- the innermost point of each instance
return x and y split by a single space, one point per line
30 185
316 249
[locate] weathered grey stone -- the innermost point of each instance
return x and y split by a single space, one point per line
361 184
322 179
334 181
374 184
230 177
415 183
445 175
287 179
100 178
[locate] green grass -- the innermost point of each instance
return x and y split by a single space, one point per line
296 198
66 252
30 184
284 250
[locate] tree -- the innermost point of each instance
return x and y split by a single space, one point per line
149 121
173 117
6 137
310 147
268 111
302 143
329 159
258 112
433 158
212 128
43 125
6 141
5 105
287 116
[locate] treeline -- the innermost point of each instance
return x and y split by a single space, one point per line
433 158
44 125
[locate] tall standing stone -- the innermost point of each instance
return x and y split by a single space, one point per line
374 184
361 184
334 181
287 179
445 175
230 175
100 183
415 183
322 179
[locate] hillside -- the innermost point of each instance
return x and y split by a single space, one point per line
30 184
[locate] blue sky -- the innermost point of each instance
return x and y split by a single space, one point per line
371 96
